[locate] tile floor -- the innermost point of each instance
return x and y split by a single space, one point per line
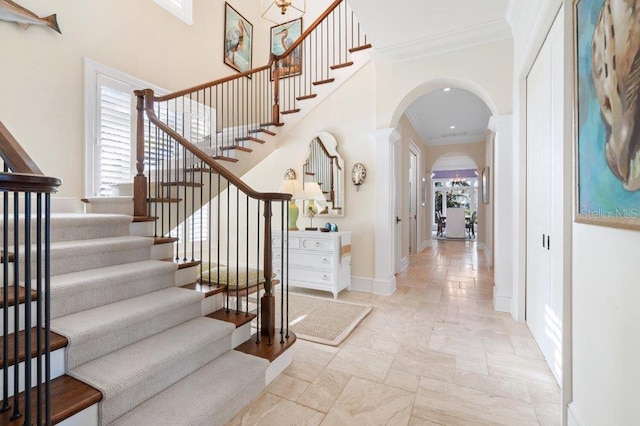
433 353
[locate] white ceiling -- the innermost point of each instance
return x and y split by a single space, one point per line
435 113
454 162
400 29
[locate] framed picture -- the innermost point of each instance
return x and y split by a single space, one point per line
485 185
238 40
606 36
282 37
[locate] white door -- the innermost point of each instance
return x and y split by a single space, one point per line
544 203
397 200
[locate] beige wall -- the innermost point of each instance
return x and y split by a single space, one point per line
42 80
349 115
485 70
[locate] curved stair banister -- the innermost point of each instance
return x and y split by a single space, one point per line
241 260
183 138
25 259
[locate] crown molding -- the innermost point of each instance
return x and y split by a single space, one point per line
449 41
514 10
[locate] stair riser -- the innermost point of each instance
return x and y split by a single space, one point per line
186 276
162 251
87 417
57 370
10 270
212 304
157 378
141 229
241 335
83 351
11 318
63 229
111 289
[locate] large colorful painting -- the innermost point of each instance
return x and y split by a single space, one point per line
282 37
607 112
238 40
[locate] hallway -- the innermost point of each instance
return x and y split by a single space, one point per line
433 353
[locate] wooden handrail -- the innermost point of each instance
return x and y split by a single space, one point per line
21 182
212 83
308 31
14 156
272 59
203 156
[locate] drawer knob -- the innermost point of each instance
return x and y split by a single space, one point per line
317 243
325 260
324 277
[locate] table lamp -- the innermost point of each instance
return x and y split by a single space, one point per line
312 193
291 186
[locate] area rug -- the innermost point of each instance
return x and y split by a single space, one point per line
323 320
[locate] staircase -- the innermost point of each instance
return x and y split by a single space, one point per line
126 334
110 318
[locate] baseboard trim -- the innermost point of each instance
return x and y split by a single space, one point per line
364 285
501 303
423 245
404 263
573 418
368 285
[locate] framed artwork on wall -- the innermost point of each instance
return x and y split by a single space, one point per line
282 37
484 182
238 40
607 123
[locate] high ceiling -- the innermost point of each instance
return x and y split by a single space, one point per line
434 114
402 28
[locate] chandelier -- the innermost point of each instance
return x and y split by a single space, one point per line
458 181
280 11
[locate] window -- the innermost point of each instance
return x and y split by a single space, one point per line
183 9
110 117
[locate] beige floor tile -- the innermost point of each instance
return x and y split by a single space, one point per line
323 392
436 353
269 409
470 405
288 387
423 362
361 362
383 405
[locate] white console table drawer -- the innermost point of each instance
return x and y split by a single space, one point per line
294 242
313 260
317 260
316 244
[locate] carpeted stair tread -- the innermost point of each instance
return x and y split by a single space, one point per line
133 374
78 226
96 332
210 396
82 290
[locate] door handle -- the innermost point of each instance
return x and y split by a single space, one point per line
543 241
548 242
398 220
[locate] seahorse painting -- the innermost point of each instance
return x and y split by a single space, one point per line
616 77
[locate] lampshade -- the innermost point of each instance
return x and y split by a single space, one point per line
281 11
312 191
293 187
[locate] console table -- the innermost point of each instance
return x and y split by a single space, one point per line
317 260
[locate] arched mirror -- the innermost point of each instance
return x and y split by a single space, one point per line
325 167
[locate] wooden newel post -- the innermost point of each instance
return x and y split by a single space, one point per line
140 180
268 303
276 91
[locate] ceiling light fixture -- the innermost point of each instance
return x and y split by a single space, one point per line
447 89
281 11
452 127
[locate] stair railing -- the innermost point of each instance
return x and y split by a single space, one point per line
25 265
215 217
183 137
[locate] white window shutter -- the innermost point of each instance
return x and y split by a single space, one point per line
114 136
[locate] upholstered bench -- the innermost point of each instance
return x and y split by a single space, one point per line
234 279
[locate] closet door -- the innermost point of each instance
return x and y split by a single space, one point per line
544 201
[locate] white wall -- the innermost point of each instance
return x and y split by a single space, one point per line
603 368
349 115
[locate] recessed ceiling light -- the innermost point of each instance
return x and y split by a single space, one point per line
447 89
452 127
